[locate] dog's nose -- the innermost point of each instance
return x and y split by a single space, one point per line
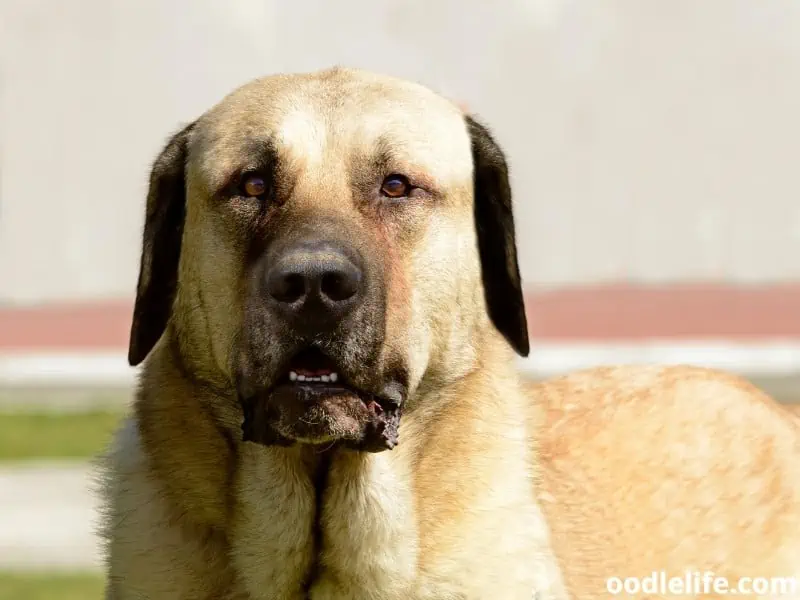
314 283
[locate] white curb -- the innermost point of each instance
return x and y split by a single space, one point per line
67 369
767 359
764 359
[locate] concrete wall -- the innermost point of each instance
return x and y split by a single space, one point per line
649 140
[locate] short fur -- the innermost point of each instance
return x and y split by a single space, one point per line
496 490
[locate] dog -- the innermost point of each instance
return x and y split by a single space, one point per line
329 310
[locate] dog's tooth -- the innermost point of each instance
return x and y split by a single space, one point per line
292 376
301 378
325 378
333 377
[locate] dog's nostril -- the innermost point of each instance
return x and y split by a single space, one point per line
339 286
286 287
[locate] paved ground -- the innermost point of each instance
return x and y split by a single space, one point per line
48 517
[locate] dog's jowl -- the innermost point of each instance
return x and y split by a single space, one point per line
328 319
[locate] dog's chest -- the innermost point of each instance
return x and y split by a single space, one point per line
292 542
361 540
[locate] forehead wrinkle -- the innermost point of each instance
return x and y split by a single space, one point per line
437 149
386 158
224 151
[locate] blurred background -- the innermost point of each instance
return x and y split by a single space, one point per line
653 148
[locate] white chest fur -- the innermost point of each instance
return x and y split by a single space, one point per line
369 529
368 547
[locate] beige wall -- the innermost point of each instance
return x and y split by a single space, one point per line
651 140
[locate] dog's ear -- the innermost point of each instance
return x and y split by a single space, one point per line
494 221
161 247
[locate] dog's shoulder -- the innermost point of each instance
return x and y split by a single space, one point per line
667 468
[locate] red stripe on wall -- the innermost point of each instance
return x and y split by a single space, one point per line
618 313
580 314
86 326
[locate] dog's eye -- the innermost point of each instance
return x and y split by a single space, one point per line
254 186
396 186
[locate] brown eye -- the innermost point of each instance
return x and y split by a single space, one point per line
254 186
396 186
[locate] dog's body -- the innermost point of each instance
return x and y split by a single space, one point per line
243 476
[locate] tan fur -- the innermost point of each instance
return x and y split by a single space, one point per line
624 469
668 469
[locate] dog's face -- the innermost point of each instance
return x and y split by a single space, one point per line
326 245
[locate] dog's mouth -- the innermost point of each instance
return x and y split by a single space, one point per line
313 375
313 402
311 366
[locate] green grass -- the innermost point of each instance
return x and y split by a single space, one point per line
46 586
42 435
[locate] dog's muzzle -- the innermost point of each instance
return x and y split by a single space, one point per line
313 334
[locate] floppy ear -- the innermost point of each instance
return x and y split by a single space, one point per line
161 247
494 221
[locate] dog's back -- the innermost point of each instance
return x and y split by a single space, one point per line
675 470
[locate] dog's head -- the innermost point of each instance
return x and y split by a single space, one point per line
327 244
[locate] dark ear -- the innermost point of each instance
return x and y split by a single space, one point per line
494 221
161 247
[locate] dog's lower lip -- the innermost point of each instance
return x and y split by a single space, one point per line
313 391
319 386
317 389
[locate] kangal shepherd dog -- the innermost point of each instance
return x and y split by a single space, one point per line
328 314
